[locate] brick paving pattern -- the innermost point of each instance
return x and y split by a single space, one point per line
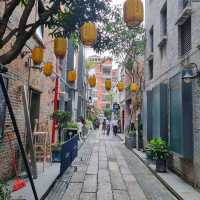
107 170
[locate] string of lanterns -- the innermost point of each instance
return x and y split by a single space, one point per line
133 16
88 35
108 84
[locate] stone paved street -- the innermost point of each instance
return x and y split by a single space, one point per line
109 171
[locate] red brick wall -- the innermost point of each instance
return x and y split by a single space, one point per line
18 76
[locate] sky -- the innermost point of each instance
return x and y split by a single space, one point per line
90 52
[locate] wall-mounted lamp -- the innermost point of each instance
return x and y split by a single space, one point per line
189 73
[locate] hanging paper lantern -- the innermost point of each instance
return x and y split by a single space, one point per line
60 47
92 81
37 55
88 33
48 69
133 13
71 76
108 84
120 86
134 87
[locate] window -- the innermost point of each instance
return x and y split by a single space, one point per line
2 110
185 3
106 72
185 37
151 38
150 69
163 17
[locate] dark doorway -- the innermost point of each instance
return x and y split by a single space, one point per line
34 106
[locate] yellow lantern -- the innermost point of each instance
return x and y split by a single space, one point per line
37 55
48 69
120 86
60 47
71 76
108 84
134 87
92 81
88 33
133 12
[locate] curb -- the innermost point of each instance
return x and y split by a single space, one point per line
169 188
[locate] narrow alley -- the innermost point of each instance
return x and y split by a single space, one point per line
107 170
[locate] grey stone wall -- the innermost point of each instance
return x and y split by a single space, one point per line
170 64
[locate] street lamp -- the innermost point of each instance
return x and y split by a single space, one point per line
189 74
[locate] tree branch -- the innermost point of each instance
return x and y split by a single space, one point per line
11 34
10 7
20 41
25 15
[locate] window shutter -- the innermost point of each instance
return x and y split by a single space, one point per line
186 37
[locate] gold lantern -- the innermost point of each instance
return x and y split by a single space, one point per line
60 47
48 69
37 55
120 86
134 87
71 76
92 81
133 13
108 84
88 33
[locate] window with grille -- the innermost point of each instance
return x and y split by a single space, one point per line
163 16
150 69
2 110
151 34
185 37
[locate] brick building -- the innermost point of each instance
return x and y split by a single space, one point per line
171 106
40 90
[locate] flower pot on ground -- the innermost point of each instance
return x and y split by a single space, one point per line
56 153
70 130
130 140
62 119
159 151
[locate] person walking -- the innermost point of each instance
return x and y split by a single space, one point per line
104 126
115 126
107 127
80 128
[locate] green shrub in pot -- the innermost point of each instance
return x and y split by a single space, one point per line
159 150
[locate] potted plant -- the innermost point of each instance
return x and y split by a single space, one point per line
4 191
130 138
159 151
61 119
56 152
70 130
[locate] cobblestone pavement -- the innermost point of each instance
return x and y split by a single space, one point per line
107 170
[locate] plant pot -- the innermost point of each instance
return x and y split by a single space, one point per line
56 155
161 165
69 133
130 142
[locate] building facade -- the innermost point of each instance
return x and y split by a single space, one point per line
171 106
40 89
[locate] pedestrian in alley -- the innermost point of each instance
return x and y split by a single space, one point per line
80 128
115 126
104 126
108 127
